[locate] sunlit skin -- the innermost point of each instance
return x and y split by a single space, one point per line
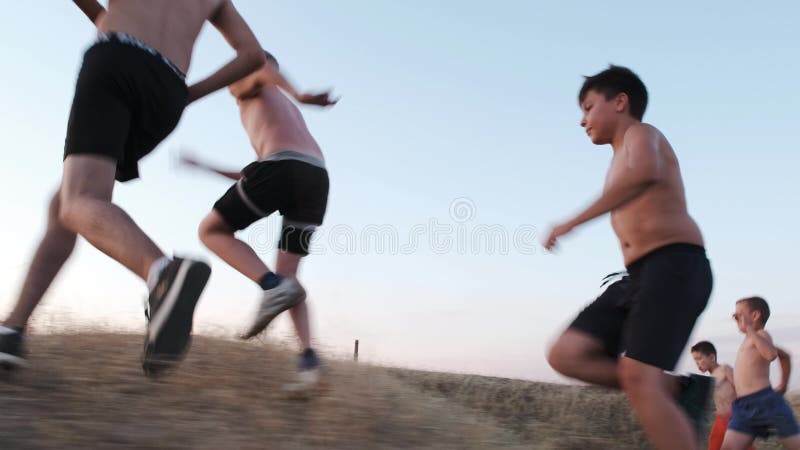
751 373
724 391
643 190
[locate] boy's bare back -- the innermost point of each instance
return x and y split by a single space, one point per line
658 216
273 123
172 26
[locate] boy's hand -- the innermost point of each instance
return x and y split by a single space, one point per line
555 233
321 99
190 161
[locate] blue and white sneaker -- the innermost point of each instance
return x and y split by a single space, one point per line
12 348
309 374
170 312
286 295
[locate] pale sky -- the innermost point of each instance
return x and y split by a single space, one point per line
458 120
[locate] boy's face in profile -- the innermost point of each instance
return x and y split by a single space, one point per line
599 116
704 362
744 317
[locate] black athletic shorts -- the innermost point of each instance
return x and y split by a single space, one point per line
128 98
293 184
649 314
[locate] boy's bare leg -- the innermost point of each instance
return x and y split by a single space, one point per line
735 440
286 266
665 425
218 236
50 256
86 209
578 355
792 442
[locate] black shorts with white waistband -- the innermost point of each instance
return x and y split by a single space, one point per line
128 98
296 188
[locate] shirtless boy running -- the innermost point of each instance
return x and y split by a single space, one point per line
290 177
129 96
758 409
648 316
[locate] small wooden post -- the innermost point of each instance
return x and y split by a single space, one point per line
355 353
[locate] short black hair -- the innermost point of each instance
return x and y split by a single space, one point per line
705 347
614 81
271 57
757 304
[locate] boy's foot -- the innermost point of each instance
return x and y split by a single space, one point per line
696 399
287 294
170 312
12 348
309 374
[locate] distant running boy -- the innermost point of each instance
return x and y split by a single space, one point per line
758 409
649 317
289 177
705 356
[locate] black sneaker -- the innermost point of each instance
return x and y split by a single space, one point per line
696 399
170 312
12 348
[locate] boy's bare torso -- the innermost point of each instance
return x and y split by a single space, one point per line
274 124
751 373
658 216
171 27
724 391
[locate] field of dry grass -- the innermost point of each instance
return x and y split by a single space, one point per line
548 415
87 391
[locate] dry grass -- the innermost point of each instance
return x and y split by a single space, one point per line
546 415
87 391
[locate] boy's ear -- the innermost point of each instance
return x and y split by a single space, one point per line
621 101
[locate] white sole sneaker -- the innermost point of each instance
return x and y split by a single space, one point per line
286 295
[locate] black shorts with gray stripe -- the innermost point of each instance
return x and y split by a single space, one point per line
298 189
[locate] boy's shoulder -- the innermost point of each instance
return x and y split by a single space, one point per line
642 131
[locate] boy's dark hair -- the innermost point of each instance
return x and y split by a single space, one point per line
271 58
757 304
614 81
705 348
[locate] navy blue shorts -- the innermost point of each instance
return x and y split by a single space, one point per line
763 412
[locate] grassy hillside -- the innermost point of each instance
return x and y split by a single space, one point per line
87 391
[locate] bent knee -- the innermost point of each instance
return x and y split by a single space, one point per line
66 212
637 377
556 356
213 224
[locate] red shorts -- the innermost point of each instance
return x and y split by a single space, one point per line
718 432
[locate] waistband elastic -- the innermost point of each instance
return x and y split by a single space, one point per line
127 39
757 394
667 249
296 156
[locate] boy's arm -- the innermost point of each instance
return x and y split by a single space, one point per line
250 86
641 169
763 344
728 372
92 8
249 55
189 161
786 369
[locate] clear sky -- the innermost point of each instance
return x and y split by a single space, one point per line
458 120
